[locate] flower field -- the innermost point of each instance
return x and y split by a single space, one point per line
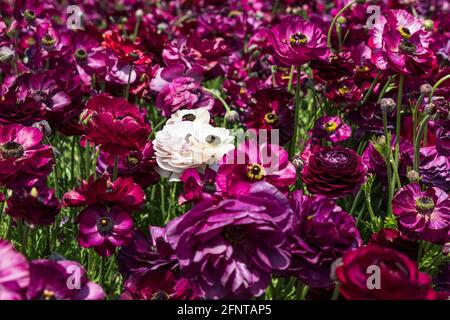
223 149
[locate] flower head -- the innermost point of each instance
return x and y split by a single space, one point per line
14 272
423 214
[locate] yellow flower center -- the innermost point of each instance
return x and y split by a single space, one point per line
405 33
298 39
344 90
270 118
330 126
48 295
255 172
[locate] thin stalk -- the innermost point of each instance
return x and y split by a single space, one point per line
335 295
291 75
398 120
116 168
384 89
423 125
387 158
372 86
127 88
333 22
297 114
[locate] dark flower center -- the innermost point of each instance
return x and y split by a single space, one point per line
29 15
11 149
212 139
132 160
48 41
234 234
404 33
271 118
407 46
298 39
80 54
105 225
188 117
209 186
255 172
362 69
160 295
425 205
48 295
330 126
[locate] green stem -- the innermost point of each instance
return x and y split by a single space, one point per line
387 158
116 168
355 202
372 86
383 91
398 120
333 22
297 114
422 127
335 295
217 95
136 29
437 84
291 75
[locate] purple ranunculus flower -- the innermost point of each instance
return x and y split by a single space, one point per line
14 272
37 206
321 233
144 253
399 42
61 280
183 93
423 215
435 166
331 129
23 159
104 228
230 249
296 41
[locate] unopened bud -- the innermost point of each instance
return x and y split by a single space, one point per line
44 127
298 163
139 13
232 116
430 109
428 25
413 176
426 89
319 88
341 20
387 104
6 54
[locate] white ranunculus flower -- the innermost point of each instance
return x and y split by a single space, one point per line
189 144
200 115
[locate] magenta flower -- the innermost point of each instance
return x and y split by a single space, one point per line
50 280
37 206
104 228
296 41
23 159
198 187
122 192
400 43
230 249
14 272
435 167
423 215
115 125
252 162
331 129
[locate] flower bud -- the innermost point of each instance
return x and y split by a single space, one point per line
430 109
426 89
341 20
44 127
387 104
413 176
139 13
298 163
232 116
6 54
428 25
